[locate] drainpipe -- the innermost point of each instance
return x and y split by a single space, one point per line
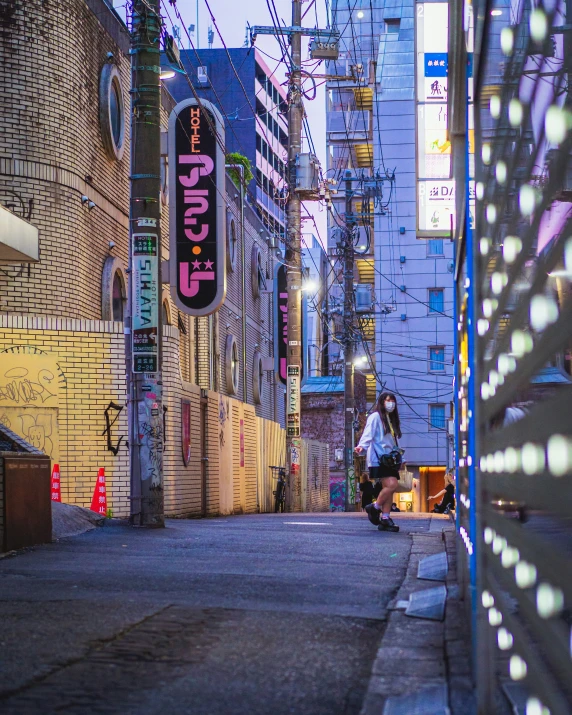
240 168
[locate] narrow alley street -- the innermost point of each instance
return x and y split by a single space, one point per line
249 614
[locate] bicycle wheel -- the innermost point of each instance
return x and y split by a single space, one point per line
279 498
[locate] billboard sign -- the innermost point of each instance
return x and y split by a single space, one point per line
197 224
435 196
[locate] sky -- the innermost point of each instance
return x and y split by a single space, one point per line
231 18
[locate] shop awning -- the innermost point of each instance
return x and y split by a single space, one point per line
19 241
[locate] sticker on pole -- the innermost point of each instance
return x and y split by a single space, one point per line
197 223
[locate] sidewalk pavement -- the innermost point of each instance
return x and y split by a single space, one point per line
422 666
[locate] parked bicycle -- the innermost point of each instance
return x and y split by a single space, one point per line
279 473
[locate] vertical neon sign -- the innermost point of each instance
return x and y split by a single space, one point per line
197 225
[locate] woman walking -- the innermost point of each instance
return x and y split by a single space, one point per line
382 430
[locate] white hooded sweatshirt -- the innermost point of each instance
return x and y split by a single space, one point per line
376 440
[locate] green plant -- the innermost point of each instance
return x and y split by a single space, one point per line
234 157
109 514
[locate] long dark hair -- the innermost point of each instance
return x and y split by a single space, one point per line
386 416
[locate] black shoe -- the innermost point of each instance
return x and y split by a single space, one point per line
372 514
387 525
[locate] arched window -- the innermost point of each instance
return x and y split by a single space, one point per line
231 241
113 290
165 315
232 365
118 296
257 379
257 272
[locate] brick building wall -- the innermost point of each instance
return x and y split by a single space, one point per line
322 419
52 154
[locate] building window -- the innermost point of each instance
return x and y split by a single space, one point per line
118 296
435 247
113 290
437 359
257 379
111 112
436 417
165 313
232 365
436 300
257 272
231 241
392 26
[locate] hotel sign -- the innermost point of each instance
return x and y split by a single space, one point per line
145 295
197 223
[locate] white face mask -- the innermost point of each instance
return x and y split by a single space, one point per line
390 406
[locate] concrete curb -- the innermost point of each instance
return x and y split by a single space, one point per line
417 656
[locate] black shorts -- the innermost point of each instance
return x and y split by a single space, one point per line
382 472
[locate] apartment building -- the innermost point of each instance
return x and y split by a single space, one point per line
387 124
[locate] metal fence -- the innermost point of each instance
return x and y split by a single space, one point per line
514 322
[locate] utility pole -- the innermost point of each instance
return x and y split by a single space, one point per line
294 267
144 320
349 398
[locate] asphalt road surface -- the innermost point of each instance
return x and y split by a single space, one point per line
250 614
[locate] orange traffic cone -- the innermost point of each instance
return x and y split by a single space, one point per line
56 484
99 501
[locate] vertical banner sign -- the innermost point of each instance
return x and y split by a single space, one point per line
281 327
186 430
197 225
293 402
145 322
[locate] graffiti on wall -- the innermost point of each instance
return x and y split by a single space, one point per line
225 455
30 386
337 493
28 380
112 412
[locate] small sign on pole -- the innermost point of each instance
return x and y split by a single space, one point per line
145 301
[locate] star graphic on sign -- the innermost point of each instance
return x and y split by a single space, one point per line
208 265
196 265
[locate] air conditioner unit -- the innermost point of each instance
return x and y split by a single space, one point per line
364 301
202 75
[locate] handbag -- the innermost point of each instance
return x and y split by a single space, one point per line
405 483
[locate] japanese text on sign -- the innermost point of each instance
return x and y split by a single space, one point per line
145 293
197 171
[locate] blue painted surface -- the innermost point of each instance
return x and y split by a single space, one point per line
236 99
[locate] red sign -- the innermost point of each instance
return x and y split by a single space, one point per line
99 500
56 484
186 430
197 207
242 443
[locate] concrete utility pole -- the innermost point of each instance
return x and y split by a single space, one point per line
294 267
349 398
144 327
